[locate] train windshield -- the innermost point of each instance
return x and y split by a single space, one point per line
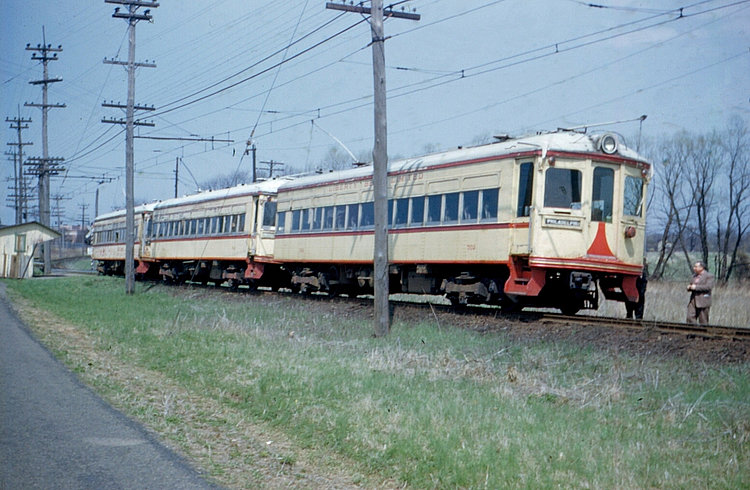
562 188
633 199
601 195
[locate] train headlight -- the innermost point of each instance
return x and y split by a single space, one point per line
630 232
608 143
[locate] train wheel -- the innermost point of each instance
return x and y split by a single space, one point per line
571 308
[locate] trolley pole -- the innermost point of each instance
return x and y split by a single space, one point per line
379 157
132 17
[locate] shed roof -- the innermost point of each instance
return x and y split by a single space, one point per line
30 226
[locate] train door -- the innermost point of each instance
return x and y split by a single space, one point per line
145 238
521 233
604 222
633 222
252 227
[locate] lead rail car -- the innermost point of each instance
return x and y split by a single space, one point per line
545 220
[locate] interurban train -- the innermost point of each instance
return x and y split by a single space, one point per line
548 220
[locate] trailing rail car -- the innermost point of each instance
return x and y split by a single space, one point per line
215 236
107 238
546 220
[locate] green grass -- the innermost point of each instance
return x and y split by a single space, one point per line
427 406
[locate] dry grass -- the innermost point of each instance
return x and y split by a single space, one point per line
667 301
285 393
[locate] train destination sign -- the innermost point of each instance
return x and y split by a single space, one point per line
568 223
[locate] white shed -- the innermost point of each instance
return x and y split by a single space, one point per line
17 246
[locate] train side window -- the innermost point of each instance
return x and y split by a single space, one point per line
434 204
469 207
562 188
340 217
367 216
305 220
451 208
417 211
281 222
402 212
328 218
317 222
201 227
352 217
633 197
295 220
241 222
489 204
601 194
525 187
269 214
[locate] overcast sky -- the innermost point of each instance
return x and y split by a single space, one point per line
294 75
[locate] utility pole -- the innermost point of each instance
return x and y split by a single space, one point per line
271 164
83 227
176 174
58 214
45 165
379 156
132 17
19 124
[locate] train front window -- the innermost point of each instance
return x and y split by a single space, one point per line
562 188
633 198
601 194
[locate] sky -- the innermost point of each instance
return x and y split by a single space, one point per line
295 79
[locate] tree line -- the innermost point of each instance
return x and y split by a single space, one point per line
700 200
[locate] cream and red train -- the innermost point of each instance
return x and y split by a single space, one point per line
545 220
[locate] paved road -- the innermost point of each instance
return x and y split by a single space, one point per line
56 433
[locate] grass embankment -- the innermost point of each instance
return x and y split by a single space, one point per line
428 406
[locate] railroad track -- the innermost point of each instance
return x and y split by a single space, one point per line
697 331
701 331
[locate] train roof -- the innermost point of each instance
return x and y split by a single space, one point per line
141 208
560 141
254 189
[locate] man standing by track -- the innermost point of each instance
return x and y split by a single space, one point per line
700 294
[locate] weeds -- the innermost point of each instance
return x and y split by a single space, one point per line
425 407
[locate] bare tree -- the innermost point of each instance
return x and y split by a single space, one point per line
675 202
226 180
705 166
337 159
736 211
